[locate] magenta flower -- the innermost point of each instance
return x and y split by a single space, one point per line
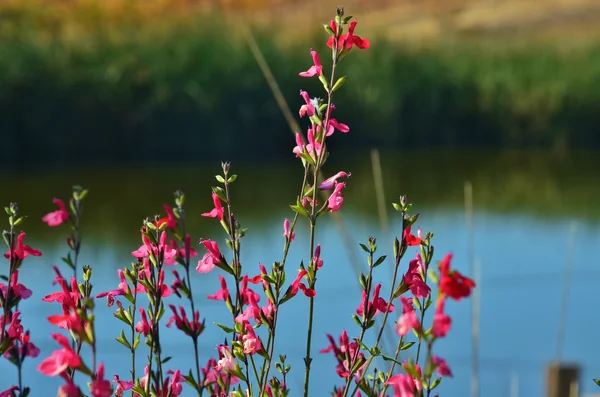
223 293
316 69
210 259
9 392
408 320
22 250
335 201
100 387
58 217
169 254
309 108
441 321
143 326
216 212
403 385
286 230
329 183
441 366
61 359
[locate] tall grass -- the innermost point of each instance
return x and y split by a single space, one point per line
88 82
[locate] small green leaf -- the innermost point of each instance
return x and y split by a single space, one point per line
338 84
219 179
380 260
597 381
407 345
225 328
365 248
122 340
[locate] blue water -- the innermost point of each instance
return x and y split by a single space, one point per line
522 278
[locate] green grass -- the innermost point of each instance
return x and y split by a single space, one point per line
139 91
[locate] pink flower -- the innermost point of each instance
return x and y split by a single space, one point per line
286 230
122 289
69 389
408 320
335 201
210 259
403 385
377 304
309 108
169 253
122 386
61 359
143 326
441 321
58 217
316 69
18 289
227 361
329 183
100 387
441 366
192 328
223 293
216 212
22 251
297 284
251 342
414 278
175 386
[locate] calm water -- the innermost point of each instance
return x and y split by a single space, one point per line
530 209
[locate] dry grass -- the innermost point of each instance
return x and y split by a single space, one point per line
402 20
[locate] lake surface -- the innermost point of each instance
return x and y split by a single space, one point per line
534 214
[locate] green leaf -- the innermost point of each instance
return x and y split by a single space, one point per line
397 207
232 179
225 328
299 209
166 360
407 345
388 358
380 260
219 179
597 381
122 340
365 248
338 84
435 383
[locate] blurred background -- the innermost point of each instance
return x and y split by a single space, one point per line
484 112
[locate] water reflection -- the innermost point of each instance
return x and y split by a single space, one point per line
525 204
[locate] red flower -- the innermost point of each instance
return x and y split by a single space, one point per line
22 251
452 283
349 39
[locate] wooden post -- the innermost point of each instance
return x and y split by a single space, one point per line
562 380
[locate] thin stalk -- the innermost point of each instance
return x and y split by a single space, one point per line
364 325
191 295
11 265
399 256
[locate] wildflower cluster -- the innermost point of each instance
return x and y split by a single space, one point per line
160 276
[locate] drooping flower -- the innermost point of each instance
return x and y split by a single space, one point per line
441 366
226 361
335 201
377 304
58 217
250 340
403 385
223 293
414 278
